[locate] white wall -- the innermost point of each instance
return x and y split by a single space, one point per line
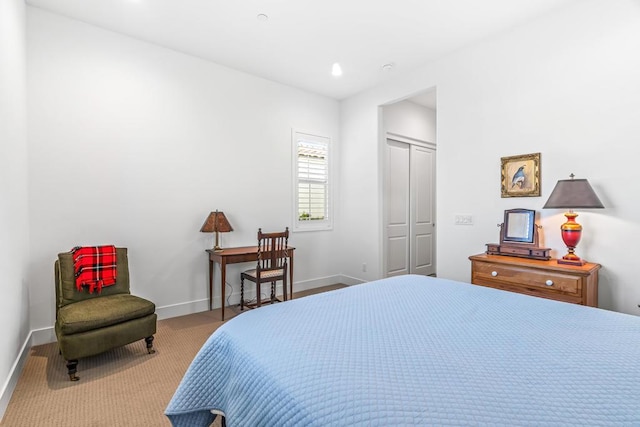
134 144
14 303
566 86
409 119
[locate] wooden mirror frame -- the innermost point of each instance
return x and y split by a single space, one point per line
519 227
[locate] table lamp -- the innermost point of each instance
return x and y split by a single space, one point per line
218 223
572 194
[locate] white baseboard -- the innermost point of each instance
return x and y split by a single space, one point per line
317 283
10 385
350 281
43 336
305 285
182 309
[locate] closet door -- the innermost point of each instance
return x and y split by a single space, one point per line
409 209
396 193
422 226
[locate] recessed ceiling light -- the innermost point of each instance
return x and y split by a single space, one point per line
262 17
336 70
388 67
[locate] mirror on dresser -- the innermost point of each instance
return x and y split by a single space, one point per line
519 236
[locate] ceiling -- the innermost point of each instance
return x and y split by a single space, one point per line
301 39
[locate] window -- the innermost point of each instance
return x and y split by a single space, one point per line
312 204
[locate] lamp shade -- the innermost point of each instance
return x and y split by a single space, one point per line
216 221
573 194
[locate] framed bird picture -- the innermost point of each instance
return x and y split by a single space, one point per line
520 175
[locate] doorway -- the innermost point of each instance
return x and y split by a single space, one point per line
409 162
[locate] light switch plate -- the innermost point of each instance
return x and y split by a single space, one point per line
463 219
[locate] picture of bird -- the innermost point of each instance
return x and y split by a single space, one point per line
518 178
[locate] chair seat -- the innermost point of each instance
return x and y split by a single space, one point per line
101 312
264 274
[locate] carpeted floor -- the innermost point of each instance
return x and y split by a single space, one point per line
122 387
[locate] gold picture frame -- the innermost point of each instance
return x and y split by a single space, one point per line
520 175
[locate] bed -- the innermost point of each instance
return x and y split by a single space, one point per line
415 350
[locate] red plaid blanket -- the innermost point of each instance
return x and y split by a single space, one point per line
94 266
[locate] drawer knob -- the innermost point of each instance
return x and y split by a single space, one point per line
549 282
494 273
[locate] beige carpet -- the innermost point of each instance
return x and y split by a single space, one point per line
123 387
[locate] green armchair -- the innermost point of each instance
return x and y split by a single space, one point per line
92 323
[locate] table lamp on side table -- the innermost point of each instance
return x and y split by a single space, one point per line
218 223
571 194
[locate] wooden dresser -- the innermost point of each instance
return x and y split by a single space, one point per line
546 279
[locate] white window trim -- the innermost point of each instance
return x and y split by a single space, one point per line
316 225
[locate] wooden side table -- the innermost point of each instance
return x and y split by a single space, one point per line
541 278
234 256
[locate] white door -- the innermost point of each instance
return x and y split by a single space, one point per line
409 209
397 200
422 243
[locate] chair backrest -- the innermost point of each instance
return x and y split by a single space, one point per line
66 292
272 250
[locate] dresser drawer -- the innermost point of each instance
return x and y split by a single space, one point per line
540 278
490 273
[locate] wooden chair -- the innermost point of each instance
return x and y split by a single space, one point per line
271 266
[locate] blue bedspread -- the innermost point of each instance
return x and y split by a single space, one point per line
415 350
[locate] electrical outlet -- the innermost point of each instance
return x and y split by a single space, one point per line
463 219
364 267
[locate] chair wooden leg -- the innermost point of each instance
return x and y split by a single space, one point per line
284 286
258 302
72 368
149 341
273 292
241 293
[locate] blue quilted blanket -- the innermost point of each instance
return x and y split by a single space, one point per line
415 350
